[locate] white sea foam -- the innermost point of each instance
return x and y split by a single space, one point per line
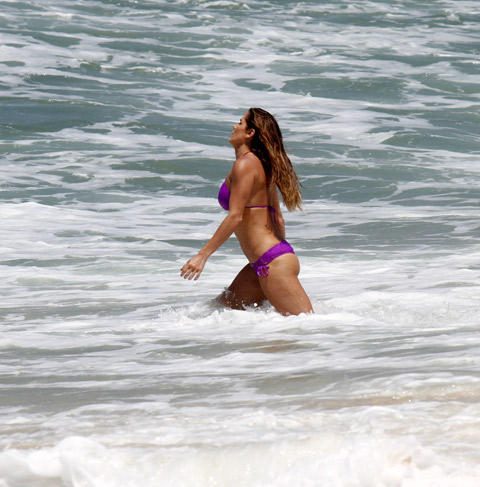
323 459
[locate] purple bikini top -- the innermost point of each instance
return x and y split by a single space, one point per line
224 201
224 197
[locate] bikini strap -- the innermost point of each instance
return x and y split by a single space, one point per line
271 209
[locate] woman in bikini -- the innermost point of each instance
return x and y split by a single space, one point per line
249 194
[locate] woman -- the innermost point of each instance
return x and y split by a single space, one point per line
249 194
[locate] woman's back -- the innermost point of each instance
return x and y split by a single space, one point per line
257 231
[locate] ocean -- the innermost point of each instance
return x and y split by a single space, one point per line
115 117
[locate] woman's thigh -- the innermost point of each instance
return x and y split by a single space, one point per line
245 290
282 287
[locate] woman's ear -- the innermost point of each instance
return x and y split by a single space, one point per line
250 133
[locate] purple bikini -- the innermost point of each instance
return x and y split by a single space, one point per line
224 199
261 265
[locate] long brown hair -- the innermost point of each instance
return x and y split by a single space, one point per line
267 145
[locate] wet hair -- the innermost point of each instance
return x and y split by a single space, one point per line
267 145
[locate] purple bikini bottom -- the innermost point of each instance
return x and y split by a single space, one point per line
261 265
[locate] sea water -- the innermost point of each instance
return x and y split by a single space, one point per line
114 124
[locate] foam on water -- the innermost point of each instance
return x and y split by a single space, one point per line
352 395
326 458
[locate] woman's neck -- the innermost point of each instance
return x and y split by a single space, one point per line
241 151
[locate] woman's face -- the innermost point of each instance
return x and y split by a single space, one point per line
239 133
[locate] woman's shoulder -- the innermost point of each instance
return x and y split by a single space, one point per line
247 163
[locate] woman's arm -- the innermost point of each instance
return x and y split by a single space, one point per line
242 178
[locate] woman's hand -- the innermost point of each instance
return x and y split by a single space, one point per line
193 268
